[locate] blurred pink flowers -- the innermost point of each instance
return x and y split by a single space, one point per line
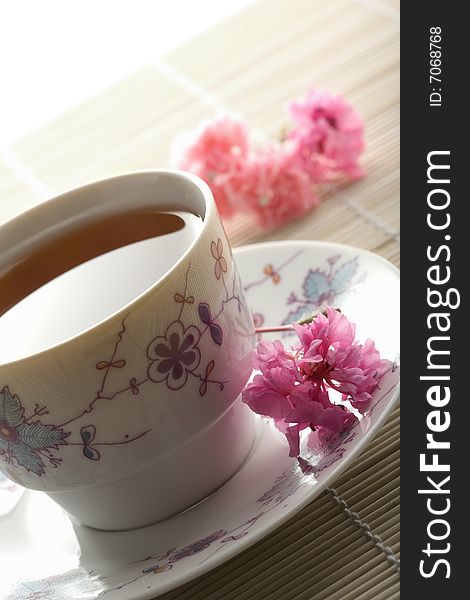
327 136
274 187
276 182
294 387
218 154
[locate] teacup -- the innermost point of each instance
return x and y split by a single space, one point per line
138 416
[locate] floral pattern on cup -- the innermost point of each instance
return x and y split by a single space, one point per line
25 441
217 250
170 358
174 355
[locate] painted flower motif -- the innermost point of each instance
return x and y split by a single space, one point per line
174 355
220 262
323 287
25 443
72 584
155 569
323 453
284 486
198 546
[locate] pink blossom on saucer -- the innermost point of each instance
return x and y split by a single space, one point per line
273 354
327 137
330 354
294 387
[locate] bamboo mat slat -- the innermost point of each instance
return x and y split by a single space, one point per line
345 544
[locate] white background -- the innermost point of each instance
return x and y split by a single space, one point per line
56 53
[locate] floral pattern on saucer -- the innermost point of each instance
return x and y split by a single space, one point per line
321 286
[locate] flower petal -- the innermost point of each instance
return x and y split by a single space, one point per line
177 380
177 371
174 341
155 374
188 342
165 365
205 313
217 333
162 350
264 400
223 264
315 414
293 438
188 358
214 250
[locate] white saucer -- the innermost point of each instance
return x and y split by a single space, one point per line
42 555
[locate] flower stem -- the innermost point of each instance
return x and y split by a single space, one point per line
273 329
290 327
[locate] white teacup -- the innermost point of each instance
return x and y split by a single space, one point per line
138 416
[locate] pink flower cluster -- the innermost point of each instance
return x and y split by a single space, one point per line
294 387
276 182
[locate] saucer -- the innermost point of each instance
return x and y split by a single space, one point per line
44 555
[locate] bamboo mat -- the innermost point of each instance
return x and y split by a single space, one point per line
345 544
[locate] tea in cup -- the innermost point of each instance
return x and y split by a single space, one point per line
125 343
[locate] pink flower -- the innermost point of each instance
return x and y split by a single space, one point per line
274 187
327 138
293 387
273 354
329 353
216 153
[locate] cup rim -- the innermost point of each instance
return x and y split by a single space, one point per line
210 208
